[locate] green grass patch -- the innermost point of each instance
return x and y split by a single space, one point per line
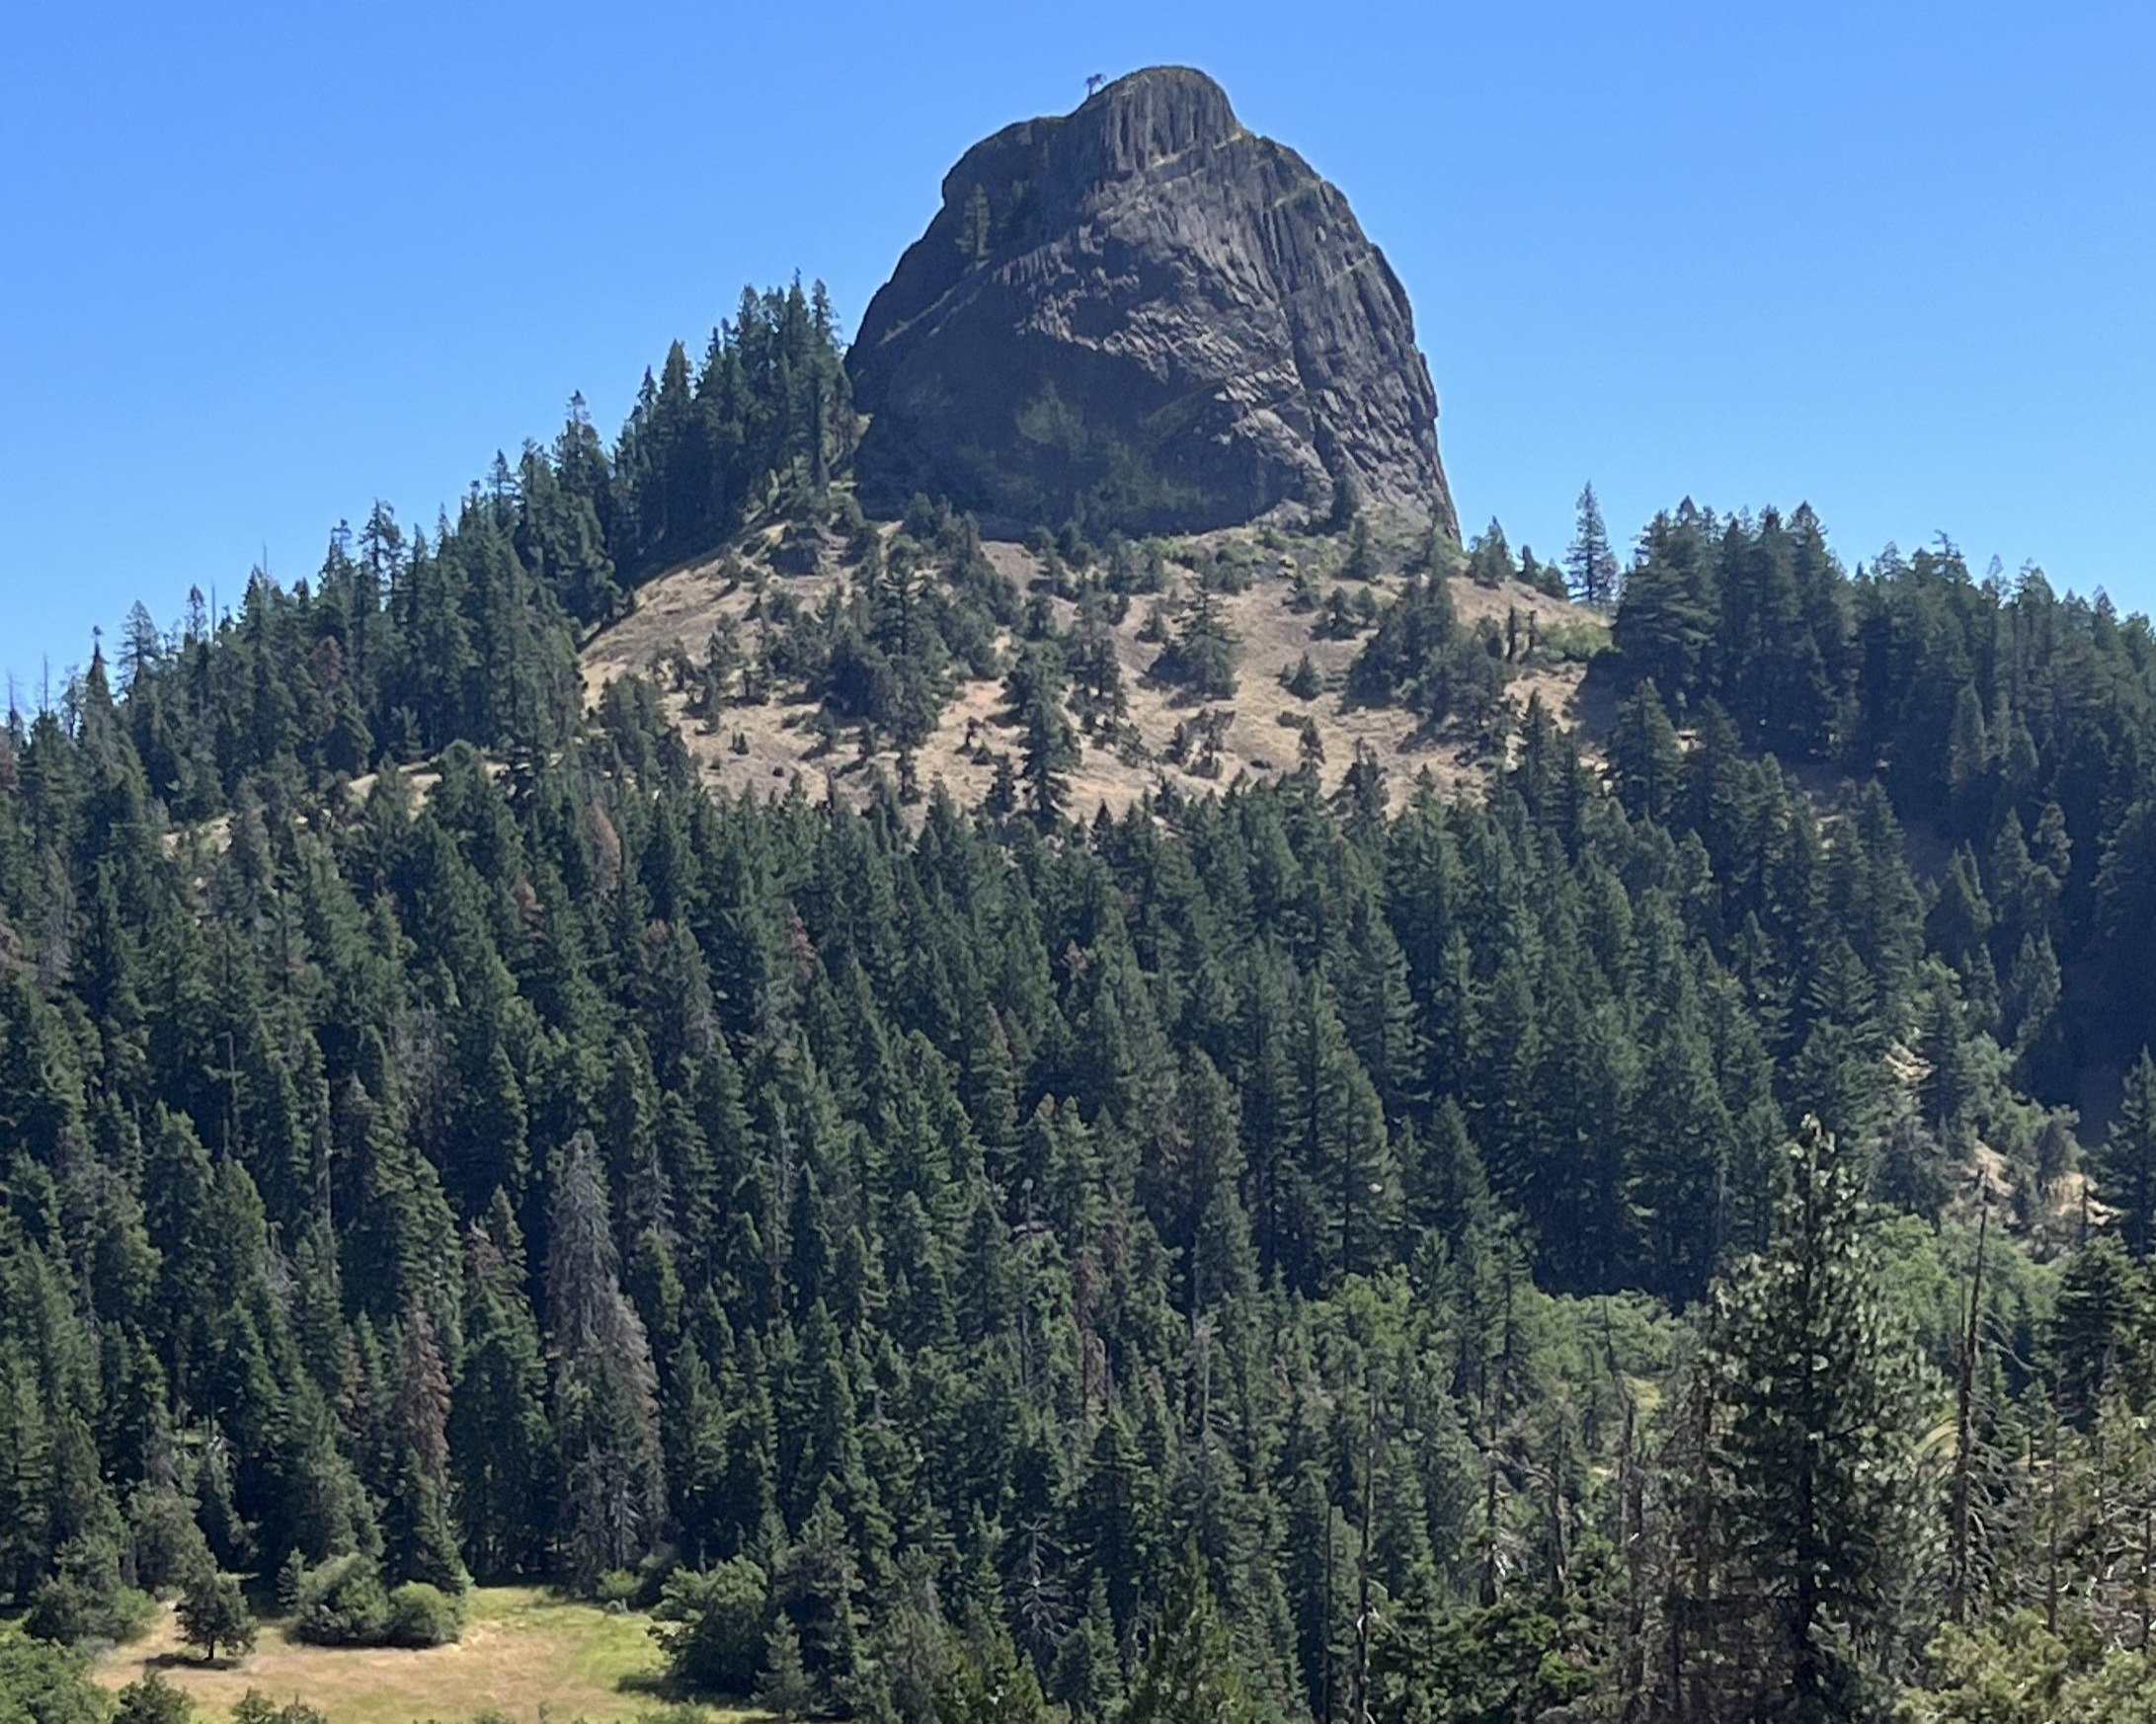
1579 641
527 1654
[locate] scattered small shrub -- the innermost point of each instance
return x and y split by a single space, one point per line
256 1707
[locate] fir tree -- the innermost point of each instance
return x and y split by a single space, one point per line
1590 565
1809 1471
213 1612
2125 1162
604 1387
1190 1674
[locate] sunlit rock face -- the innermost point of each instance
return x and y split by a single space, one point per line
1141 316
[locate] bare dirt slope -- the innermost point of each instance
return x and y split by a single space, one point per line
766 746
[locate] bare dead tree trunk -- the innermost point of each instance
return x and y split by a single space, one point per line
2050 1518
1360 1714
1964 1400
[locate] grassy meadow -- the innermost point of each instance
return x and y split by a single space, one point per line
526 1655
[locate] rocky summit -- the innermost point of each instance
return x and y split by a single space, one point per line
1141 316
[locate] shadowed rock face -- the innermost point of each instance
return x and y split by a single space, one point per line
1143 315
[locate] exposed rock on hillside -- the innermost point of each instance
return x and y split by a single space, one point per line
1144 316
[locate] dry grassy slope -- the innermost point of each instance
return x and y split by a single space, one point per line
682 607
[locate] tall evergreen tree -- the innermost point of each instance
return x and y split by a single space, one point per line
1590 565
2125 1162
604 1387
1808 1474
1190 1672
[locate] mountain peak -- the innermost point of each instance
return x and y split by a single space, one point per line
1150 114
1141 315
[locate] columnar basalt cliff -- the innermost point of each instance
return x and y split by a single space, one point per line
1143 316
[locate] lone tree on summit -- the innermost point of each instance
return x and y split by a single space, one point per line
1590 565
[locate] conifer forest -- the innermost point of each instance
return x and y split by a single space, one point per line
1656 1231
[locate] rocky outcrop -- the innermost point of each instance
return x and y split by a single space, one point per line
1141 315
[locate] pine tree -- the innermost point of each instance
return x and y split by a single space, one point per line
1683 1136
1349 1171
1664 627
1968 754
1087 1674
1047 748
213 1612
604 1387
1490 558
419 1542
1645 757
1590 565
501 1448
1190 1674
784 1689
2125 1162
1361 561
2092 1346
1198 1167
990 1683
1809 1473
818 1583
1116 1517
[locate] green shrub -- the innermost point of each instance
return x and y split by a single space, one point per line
44 1682
65 1610
152 1700
712 1624
1575 641
616 1589
85 1600
420 1615
342 1604
254 1708
487 1716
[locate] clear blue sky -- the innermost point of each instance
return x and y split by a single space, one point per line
265 263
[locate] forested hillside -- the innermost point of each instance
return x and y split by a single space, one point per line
1609 1237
